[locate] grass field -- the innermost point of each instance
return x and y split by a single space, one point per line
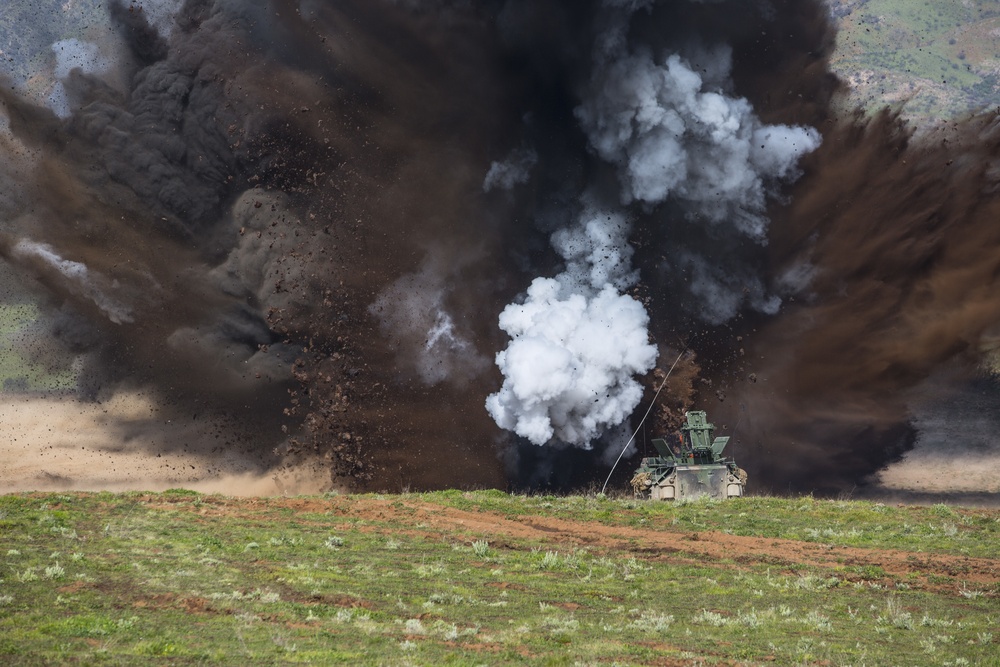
488 578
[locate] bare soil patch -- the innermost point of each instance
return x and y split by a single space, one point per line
657 543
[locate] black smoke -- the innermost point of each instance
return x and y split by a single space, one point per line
285 207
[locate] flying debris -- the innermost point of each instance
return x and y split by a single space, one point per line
443 243
670 130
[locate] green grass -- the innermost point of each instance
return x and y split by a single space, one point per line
941 56
464 578
941 529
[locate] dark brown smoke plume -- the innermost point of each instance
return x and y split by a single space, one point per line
307 216
894 244
246 201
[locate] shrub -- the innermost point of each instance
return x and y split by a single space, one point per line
481 548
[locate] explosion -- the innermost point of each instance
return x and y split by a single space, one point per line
323 220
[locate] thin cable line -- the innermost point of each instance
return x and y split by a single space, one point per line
650 409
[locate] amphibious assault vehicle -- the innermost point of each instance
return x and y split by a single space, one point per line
689 466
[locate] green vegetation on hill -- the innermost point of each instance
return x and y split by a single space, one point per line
942 57
487 578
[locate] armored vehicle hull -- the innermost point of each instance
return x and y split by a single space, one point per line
714 481
693 467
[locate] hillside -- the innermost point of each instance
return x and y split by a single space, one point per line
487 578
941 59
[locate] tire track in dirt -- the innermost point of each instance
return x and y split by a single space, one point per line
653 543
713 545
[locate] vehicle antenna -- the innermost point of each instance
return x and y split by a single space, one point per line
650 409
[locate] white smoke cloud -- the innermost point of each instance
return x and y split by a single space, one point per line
77 278
797 278
723 290
672 131
413 315
596 251
513 171
577 343
570 364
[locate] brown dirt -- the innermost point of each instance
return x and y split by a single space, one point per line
55 443
711 545
650 544
190 604
75 587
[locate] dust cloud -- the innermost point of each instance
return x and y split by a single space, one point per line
56 443
889 250
297 233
